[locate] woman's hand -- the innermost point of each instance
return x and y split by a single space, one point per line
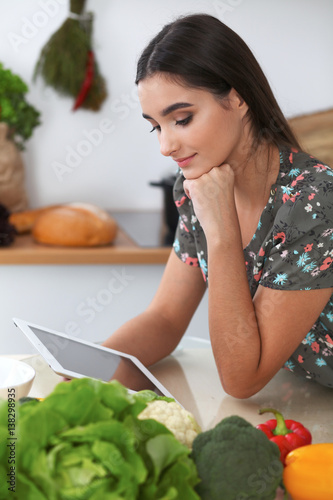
212 195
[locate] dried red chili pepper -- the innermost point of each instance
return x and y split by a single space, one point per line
287 434
86 85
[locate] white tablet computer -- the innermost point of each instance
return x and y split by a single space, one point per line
76 358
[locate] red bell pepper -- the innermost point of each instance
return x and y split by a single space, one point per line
287 434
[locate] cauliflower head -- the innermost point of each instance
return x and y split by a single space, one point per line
179 421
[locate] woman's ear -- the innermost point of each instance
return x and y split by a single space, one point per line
238 102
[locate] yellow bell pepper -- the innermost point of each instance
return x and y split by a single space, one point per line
308 472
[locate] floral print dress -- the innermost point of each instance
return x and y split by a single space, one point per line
292 249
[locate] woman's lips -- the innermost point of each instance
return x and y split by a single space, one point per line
183 162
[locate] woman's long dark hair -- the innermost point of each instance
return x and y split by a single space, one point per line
201 52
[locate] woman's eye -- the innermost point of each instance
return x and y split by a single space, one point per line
185 121
182 123
157 127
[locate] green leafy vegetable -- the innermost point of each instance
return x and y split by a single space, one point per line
84 441
236 462
20 116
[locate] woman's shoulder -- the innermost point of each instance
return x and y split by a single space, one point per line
304 177
298 165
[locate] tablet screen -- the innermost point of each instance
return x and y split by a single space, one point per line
92 361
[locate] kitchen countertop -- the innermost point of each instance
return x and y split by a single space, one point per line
191 376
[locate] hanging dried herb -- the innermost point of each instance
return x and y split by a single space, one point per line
68 63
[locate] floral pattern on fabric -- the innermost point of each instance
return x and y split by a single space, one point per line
292 249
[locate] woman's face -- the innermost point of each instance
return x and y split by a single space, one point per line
192 126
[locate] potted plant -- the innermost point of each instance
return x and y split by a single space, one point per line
17 120
20 116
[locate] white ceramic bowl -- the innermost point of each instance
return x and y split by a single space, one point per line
15 375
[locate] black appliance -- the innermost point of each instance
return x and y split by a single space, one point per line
170 210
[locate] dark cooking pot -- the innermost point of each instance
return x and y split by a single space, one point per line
170 209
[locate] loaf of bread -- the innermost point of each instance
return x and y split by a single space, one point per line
73 224
24 221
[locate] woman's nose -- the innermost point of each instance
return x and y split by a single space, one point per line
168 143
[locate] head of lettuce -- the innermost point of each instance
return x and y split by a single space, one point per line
84 441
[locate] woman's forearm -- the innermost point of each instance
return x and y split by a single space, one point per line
233 325
149 337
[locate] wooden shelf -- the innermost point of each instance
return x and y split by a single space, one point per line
122 251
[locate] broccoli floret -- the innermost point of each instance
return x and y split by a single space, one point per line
236 461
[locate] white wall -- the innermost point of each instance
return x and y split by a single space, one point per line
89 302
292 39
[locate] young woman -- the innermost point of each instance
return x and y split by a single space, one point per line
256 215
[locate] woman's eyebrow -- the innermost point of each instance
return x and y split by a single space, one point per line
170 109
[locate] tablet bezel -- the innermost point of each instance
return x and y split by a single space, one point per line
54 364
